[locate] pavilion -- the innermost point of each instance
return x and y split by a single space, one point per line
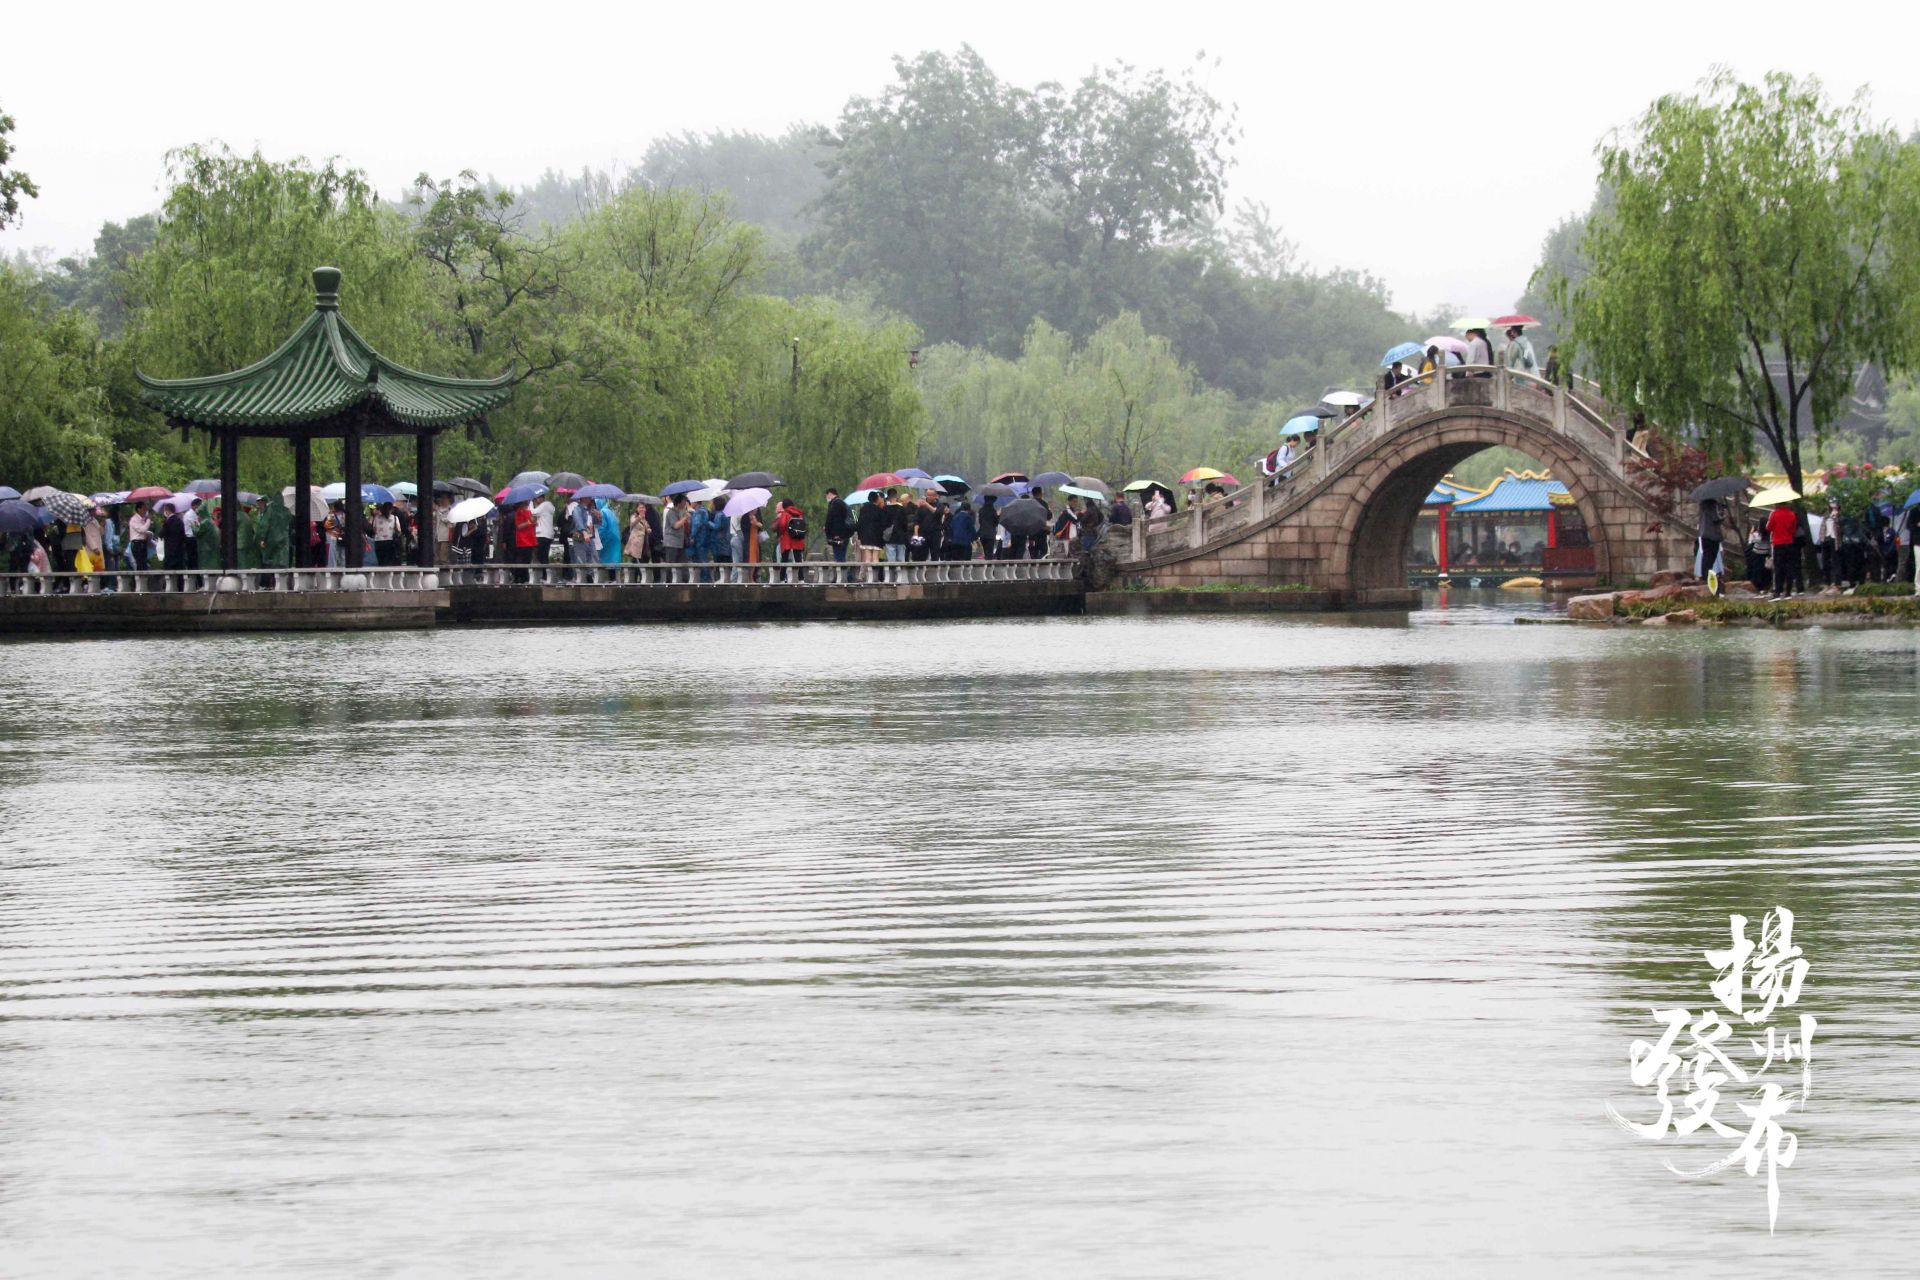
324 382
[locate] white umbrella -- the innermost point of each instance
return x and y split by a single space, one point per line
335 492
1342 398
469 509
709 493
746 500
316 505
38 493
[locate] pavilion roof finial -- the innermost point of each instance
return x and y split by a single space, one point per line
326 288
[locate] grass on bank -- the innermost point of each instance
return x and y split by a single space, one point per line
1216 587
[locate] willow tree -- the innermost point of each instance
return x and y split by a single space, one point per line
1762 243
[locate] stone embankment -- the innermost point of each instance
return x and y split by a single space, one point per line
1666 585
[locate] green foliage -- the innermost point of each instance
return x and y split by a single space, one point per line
54 425
13 183
769 181
1752 225
1488 465
1856 488
1121 406
495 284
98 283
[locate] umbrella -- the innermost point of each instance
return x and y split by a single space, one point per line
858 496
566 482
1078 492
1049 479
1508 322
1152 486
996 489
405 489
1724 487
1300 426
953 484
530 477
181 501
111 498
645 499
1317 411
316 505
517 493
1010 477
745 500
1344 399
1024 517
1447 343
245 497
20 517
708 492
883 480
1098 485
67 506
444 488
468 509
205 488
755 480
679 487
1772 497
38 492
1202 473
923 482
149 493
1402 353
1913 500
467 484
1465 323
10 494
375 493
912 473
611 492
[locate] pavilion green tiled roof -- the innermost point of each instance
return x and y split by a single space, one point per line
324 369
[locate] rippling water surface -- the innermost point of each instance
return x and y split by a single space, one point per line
1073 947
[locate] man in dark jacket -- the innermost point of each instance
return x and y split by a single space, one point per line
961 529
839 526
174 541
871 528
990 529
1092 523
926 529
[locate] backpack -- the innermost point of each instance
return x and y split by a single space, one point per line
796 527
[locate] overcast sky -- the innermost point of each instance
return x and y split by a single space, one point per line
1435 154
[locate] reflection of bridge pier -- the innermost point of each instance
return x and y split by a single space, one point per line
1341 517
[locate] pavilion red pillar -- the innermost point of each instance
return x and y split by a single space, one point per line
1441 516
1553 528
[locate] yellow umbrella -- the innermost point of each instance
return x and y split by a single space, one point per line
1465 323
1772 497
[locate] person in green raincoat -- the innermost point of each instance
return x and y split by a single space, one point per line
248 527
207 543
276 536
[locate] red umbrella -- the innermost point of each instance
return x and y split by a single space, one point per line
1507 322
882 480
1010 477
149 493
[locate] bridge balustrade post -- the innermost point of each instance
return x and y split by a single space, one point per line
1196 533
1138 532
1503 389
1559 409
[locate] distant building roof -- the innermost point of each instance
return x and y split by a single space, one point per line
1451 490
1518 492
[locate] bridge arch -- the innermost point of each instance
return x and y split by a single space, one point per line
1376 526
1340 519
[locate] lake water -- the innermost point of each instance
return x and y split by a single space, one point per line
1172 947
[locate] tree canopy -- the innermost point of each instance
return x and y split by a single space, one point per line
1761 245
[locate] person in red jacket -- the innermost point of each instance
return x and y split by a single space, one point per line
524 538
1780 529
791 525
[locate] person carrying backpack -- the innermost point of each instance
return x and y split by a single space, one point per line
791 525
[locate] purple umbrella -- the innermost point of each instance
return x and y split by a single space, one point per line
746 500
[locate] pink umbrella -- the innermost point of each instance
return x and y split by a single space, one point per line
1447 343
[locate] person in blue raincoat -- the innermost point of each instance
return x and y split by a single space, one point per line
609 535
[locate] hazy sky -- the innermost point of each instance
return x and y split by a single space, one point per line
1435 155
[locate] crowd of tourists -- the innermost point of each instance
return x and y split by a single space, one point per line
906 517
1796 547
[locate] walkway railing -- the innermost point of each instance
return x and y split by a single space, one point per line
812 573
1582 417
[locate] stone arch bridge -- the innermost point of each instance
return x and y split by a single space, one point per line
1341 517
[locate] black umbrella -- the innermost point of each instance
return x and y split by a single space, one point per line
1724 487
1024 517
20 517
203 487
996 490
1318 411
755 480
466 484
566 480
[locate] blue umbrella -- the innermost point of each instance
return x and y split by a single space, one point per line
1913 500
612 492
1301 425
858 496
8 493
679 487
375 493
20 517
1405 351
521 493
